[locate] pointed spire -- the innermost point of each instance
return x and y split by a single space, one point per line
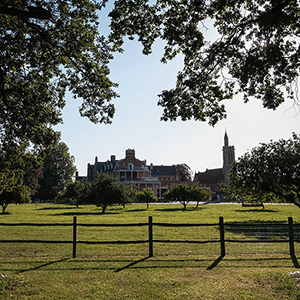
226 143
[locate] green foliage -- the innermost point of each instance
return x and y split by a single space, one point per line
270 172
256 52
104 191
47 48
12 189
19 175
184 171
185 193
130 191
74 191
58 169
40 59
146 196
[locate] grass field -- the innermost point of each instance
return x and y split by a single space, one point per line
177 271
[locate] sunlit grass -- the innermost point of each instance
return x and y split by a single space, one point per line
177 271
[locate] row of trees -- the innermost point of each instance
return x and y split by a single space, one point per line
105 190
268 173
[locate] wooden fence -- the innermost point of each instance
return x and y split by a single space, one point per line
150 239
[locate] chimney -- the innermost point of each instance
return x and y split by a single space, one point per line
130 153
112 158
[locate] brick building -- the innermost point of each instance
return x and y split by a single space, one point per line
127 170
167 175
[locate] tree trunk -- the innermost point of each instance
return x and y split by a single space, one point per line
103 209
4 206
147 205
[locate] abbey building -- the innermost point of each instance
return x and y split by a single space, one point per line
212 178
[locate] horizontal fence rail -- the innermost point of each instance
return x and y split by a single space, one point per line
290 226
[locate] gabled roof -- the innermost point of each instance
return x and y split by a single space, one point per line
210 176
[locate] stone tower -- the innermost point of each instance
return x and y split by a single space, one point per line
228 158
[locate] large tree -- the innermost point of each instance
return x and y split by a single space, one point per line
256 52
46 48
269 172
104 191
58 170
185 193
50 46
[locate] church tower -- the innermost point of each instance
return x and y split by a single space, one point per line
228 158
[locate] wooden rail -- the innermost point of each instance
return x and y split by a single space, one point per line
150 240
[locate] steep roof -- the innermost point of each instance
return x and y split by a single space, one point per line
210 176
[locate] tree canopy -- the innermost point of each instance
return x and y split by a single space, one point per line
184 171
52 46
58 170
104 191
46 48
146 196
256 52
20 171
185 193
12 189
269 172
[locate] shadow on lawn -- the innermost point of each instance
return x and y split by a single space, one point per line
189 208
88 213
256 210
59 208
118 265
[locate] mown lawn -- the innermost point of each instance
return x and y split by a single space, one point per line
177 271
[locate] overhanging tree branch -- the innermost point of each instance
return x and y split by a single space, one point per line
28 12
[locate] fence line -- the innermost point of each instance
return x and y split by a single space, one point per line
150 240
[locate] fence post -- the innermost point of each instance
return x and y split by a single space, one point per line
74 236
150 236
222 235
291 236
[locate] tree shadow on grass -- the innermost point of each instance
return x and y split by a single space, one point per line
88 213
191 208
136 210
59 208
256 210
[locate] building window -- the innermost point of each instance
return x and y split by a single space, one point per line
130 166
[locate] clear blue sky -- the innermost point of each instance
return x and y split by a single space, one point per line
137 120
